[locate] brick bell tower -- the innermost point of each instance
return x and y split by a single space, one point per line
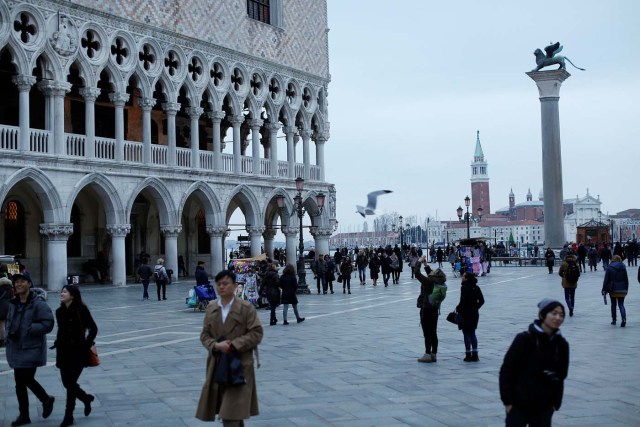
479 181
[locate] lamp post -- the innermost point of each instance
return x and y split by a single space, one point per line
408 231
467 216
303 288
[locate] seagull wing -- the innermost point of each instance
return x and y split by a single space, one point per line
360 210
372 198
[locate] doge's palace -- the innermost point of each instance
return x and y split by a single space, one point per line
142 126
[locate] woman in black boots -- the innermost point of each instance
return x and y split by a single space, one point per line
76 332
289 285
272 284
471 299
346 268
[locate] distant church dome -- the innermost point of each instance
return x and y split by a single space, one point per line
541 195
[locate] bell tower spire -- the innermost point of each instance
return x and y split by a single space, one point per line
479 180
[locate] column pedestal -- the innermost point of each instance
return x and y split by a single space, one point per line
57 236
118 233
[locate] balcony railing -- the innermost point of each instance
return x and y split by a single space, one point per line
41 142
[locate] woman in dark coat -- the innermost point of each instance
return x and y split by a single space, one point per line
471 299
385 267
76 332
374 268
550 258
271 284
289 285
346 268
616 284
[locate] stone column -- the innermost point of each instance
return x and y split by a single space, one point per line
118 232
56 91
273 147
321 236
290 132
194 114
255 236
24 84
236 122
255 145
216 117
56 236
320 141
217 253
306 136
118 100
549 83
90 94
146 105
171 233
291 239
170 109
268 236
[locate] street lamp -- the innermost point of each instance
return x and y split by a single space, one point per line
467 216
408 229
303 288
427 233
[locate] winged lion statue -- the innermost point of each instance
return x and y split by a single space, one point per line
551 57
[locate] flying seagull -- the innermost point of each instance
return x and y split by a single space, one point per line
372 199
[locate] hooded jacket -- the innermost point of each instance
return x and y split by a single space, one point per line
427 283
616 279
570 259
534 369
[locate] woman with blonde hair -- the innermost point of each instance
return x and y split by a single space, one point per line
161 277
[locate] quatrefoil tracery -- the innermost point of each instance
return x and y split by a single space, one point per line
24 26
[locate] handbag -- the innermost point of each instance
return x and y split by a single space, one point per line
453 317
94 360
339 280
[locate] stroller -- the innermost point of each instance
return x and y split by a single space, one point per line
200 296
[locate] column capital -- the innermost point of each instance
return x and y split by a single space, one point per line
273 126
170 230
269 233
23 82
306 133
54 87
171 107
289 230
236 120
255 231
90 94
118 230
549 82
289 130
216 230
321 232
60 232
146 104
256 124
119 99
216 115
194 112
321 138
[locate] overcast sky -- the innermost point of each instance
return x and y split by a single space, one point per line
412 81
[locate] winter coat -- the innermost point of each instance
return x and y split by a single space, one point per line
272 284
145 272
346 269
162 273
438 277
550 257
319 267
593 257
362 261
242 326
5 297
26 332
330 275
471 299
394 262
289 285
73 342
385 265
616 280
374 265
202 277
563 269
534 369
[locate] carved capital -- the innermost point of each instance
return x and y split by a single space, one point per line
216 116
194 112
321 138
54 88
146 103
256 124
23 82
171 107
289 230
269 234
289 130
118 230
119 99
321 232
216 230
170 230
273 127
305 134
255 231
90 94
60 232
236 120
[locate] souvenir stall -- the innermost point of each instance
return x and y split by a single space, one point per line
472 257
247 278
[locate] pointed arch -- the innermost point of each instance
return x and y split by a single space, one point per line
142 83
271 210
248 204
49 65
18 58
107 192
162 197
209 200
44 189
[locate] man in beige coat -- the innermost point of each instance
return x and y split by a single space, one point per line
230 324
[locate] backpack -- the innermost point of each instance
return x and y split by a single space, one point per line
573 272
438 294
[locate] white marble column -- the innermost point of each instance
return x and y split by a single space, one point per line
273 147
90 94
56 236
118 232
216 117
291 239
47 87
321 237
320 141
58 90
194 114
290 132
170 109
268 236
24 84
236 122
549 83
171 233
118 100
146 105
217 250
255 236
306 158
255 145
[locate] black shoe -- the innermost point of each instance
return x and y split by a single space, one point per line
67 421
21 421
624 323
285 323
87 404
344 292
47 407
324 293
331 291
301 319
349 292
467 357
164 298
613 322
474 356
571 312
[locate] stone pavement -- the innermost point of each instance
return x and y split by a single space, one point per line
353 361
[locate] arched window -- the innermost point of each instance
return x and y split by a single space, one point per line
74 244
204 243
14 229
